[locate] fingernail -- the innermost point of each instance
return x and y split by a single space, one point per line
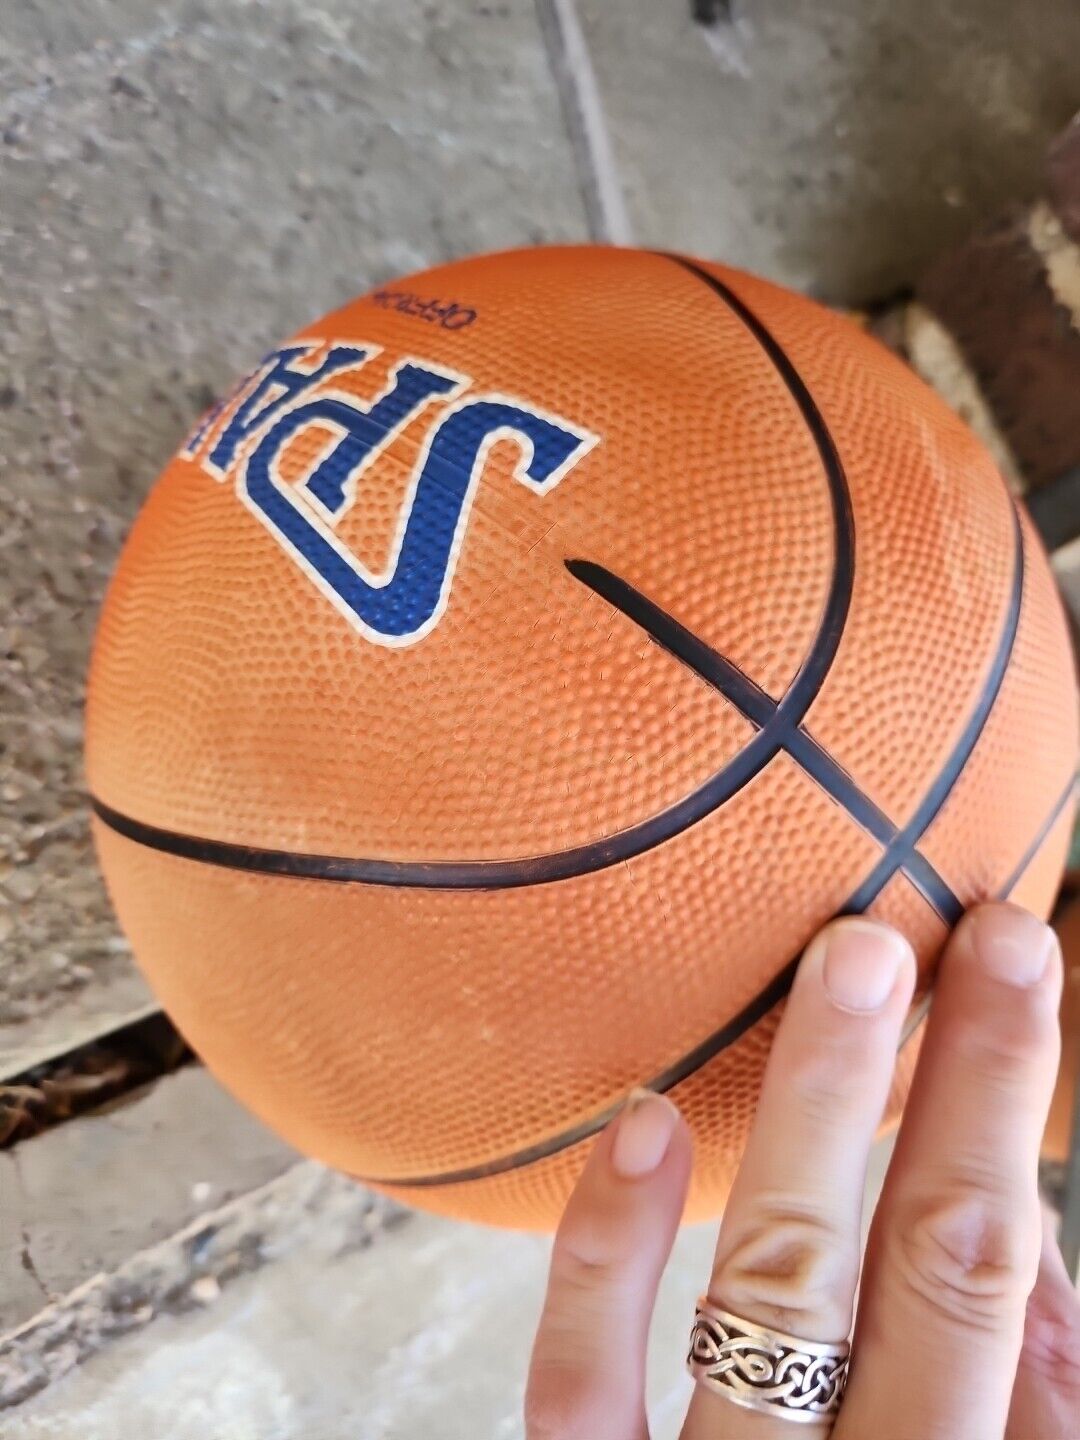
860 962
643 1133
1011 944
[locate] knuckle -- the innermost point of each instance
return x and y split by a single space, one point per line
591 1256
1051 1345
587 1283
554 1408
542 1419
789 1267
583 1277
589 1252
970 1256
1003 1050
576 1392
1051 1349
828 1082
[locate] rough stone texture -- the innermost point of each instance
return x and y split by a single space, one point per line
184 182
88 1001
993 293
1060 255
837 147
82 1198
189 1270
1063 176
934 354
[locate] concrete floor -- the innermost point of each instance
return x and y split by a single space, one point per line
425 1333
183 182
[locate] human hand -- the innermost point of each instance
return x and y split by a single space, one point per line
968 1327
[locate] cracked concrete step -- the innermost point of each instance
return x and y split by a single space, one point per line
188 1271
109 1000
82 1198
310 1310
185 182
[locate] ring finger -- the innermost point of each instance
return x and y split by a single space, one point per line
788 1253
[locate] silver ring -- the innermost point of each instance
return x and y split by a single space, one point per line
764 1369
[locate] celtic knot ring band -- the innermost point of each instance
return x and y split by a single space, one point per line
764 1369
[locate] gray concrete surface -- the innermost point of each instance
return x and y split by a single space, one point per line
188 1271
80 1199
836 146
182 183
348 1331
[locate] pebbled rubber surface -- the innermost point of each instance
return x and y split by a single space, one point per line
430 1030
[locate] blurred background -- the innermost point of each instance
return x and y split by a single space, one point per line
183 183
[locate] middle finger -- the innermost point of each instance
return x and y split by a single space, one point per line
788 1252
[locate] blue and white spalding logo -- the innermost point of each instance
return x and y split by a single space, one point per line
245 435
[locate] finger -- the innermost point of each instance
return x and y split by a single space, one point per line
1046 1395
788 1251
587 1377
955 1242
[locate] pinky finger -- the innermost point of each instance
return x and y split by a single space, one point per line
587 1377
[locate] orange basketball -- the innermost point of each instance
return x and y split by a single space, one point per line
502 684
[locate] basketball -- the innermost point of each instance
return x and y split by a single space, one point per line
504 682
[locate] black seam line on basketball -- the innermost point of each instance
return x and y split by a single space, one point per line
685 1066
1004 891
901 852
757 1009
862 898
1040 840
786 733
623 844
